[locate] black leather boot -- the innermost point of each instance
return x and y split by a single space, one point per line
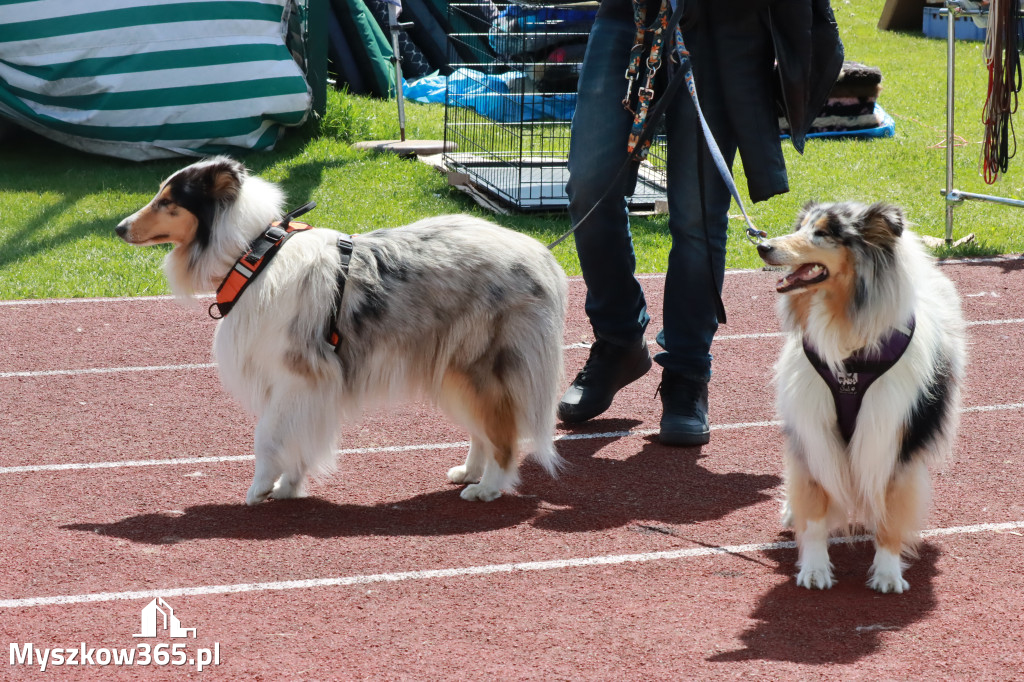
608 369
684 419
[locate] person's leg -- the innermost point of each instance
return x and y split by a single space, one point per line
698 221
615 301
600 127
696 261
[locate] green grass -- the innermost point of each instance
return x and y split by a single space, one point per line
58 207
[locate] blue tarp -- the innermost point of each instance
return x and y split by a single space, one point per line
494 96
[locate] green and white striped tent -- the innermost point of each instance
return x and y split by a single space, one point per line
146 79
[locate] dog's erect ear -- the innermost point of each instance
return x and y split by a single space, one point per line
802 214
883 224
215 181
222 178
203 187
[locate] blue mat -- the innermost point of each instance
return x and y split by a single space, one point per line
887 129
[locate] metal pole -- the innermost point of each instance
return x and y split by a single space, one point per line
396 59
317 12
950 114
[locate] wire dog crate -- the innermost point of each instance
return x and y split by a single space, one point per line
509 102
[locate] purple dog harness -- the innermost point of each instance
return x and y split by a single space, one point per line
860 370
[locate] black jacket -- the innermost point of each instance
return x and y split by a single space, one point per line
735 47
810 56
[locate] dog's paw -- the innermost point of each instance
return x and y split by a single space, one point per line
286 490
478 492
888 583
461 474
887 573
257 495
815 577
815 568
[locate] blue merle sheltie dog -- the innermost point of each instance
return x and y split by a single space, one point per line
453 308
868 383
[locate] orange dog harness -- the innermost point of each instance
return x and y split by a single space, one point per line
259 254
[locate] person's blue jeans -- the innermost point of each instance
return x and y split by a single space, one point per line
615 302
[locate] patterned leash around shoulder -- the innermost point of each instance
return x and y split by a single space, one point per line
639 140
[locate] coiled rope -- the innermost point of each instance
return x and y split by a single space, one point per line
1002 57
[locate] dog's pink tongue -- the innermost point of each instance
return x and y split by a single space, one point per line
804 272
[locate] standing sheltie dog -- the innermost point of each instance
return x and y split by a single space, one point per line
453 308
872 323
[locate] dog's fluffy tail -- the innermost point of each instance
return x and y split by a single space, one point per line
535 389
544 378
543 451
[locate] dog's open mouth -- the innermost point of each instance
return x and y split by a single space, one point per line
805 275
150 241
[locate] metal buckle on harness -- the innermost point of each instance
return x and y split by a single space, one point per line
272 235
630 81
345 246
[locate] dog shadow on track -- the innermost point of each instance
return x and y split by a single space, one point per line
840 625
593 493
431 514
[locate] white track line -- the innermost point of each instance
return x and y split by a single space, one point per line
68 301
211 365
993 408
1010 258
85 466
519 567
106 370
985 323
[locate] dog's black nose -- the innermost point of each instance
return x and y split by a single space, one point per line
764 248
121 229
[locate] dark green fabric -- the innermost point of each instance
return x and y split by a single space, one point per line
471 29
371 47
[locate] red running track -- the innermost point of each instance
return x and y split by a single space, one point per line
124 466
